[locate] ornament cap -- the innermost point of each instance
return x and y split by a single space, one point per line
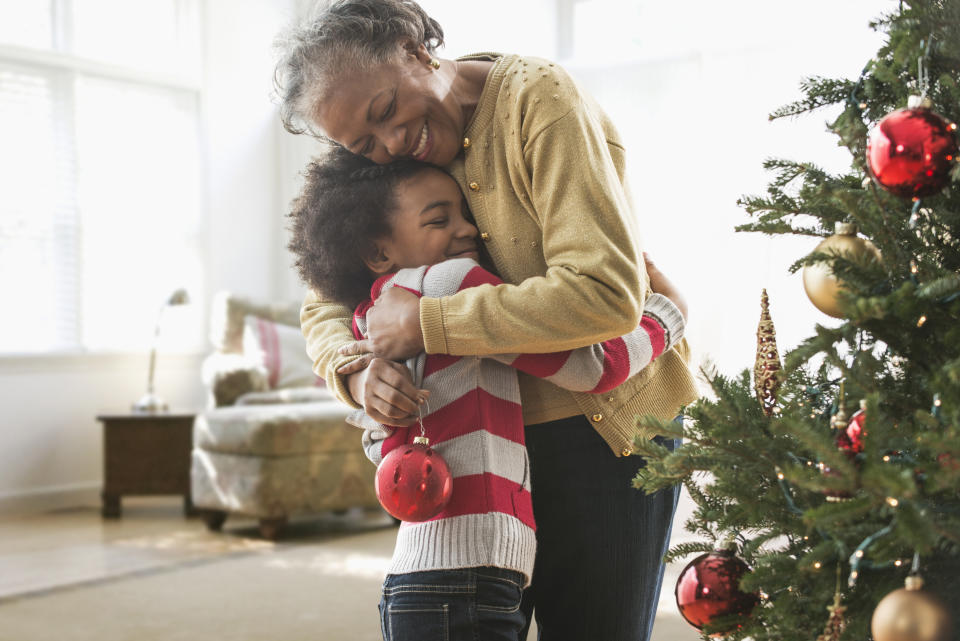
728 545
839 420
845 229
919 102
421 440
914 582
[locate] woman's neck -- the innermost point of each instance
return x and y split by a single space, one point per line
469 80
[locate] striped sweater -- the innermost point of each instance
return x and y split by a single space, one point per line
473 419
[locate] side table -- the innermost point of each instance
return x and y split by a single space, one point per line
146 454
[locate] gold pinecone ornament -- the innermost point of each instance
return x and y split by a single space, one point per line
819 282
766 368
837 623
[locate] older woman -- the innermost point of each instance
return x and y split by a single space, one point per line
543 171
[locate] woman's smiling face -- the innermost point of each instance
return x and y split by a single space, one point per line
395 110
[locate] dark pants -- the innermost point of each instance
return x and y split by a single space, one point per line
473 604
600 542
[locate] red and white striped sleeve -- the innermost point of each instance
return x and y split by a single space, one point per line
595 368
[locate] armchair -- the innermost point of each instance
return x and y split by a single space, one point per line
273 442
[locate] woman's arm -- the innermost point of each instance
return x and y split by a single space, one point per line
326 326
595 368
383 388
603 366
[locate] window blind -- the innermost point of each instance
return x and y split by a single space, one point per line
100 171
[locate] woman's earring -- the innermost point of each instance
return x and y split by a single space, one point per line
434 63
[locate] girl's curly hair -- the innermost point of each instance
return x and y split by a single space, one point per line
344 206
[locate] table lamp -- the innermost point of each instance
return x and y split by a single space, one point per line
150 402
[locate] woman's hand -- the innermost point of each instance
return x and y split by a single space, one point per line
386 391
660 284
393 326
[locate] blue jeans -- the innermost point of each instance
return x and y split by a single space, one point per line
473 604
600 542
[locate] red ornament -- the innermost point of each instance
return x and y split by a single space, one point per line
708 589
850 440
413 482
910 152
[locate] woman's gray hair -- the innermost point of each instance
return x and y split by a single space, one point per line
343 36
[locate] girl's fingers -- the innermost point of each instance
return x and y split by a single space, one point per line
390 382
355 366
380 417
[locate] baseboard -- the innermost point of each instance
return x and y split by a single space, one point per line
49 498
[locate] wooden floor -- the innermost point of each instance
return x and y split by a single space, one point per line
154 575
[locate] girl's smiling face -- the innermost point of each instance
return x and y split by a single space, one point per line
394 110
430 224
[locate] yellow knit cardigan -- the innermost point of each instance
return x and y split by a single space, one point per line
543 172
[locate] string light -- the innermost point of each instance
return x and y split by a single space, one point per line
913 267
780 475
921 321
854 575
816 566
859 554
898 562
886 458
892 502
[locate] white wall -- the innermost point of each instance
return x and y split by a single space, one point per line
50 442
690 87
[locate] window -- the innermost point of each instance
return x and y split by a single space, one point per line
100 170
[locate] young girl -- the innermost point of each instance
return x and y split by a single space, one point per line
359 228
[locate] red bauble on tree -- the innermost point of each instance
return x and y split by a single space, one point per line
708 590
850 438
910 152
413 482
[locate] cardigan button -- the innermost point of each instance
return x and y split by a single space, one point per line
484 235
474 186
466 143
596 418
626 451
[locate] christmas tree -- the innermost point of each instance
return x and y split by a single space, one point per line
837 476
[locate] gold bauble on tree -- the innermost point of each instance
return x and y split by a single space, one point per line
911 614
819 282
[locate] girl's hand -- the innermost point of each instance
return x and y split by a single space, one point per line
387 393
393 325
660 284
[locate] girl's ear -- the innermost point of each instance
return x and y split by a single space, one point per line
377 260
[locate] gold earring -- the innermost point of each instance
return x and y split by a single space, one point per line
434 63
